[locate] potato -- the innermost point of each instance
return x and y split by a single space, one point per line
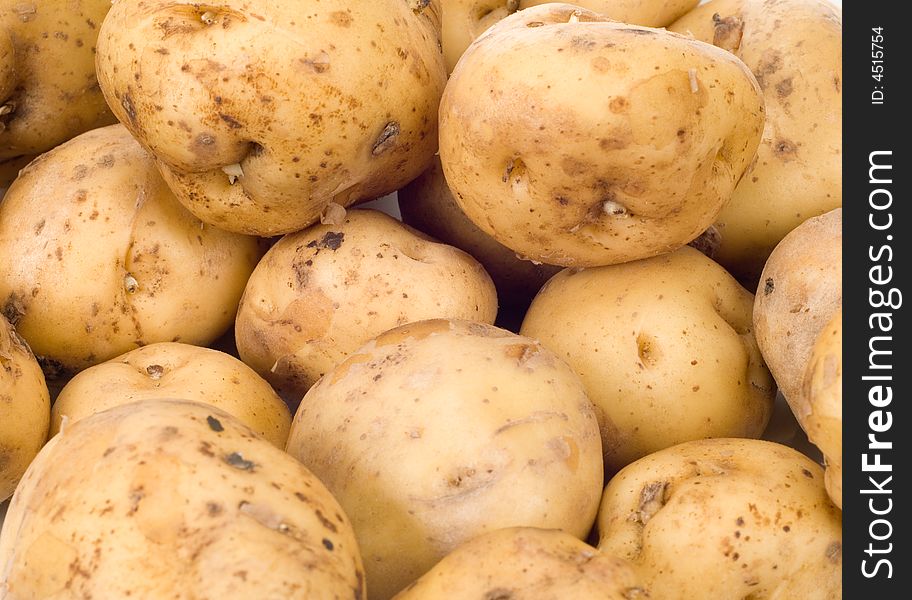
168 499
102 259
274 110
527 564
171 370
725 519
800 291
602 142
794 47
428 205
439 431
320 294
48 89
820 413
24 408
465 20
664 347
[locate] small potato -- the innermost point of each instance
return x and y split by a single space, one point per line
800 291
102 259
48 90
170 499
578 141
664 348
725 519
820 413
24 408
465 20
320 294
794 47
182 371
273 110
439 431
428 205
523 563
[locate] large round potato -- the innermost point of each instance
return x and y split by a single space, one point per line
800 290
24 408
167 499
182 371
726 519
428 205
48 90
523 563
320 294
438 431
260 114
578 141
794 47
664 347
820 413
465 20
102 259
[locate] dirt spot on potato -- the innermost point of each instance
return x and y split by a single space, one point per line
652 499
785 150
727 32
619 105
13 309
784 88
834 553
341 18
768 286
498 594
769 64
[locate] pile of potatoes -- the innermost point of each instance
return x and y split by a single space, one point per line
549 374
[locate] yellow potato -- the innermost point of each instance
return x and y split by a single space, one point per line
48 89
24 408
465 20
794 47
664 347
168 499
523 563
439 431
274 110
725 519
170 370
320 294
601 143
102 259
820 413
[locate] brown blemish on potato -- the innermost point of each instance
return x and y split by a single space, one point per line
619 105
237 460
785 150
768 286
834 552
652 499
232 122
127 103
214 424
769 64
647 350
342 18
515 168
14 308
155 371
784 88
387 138
635 593
727 32
498 594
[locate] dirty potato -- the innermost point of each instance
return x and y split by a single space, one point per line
48 89
794 47
24 408
522 563
319 294
274 110
664 347
465 20
578 141
725 519
173 370
438 431
428 205
800 290
102 259
222 512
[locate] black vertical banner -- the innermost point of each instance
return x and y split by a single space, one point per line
877 437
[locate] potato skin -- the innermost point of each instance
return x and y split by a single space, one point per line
24 408
622 146
800 290
794 47
314 101
725 519
438 431
114 262
224 513
427 204
465 20
664 347
820 413
523 563
46 103
173 370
